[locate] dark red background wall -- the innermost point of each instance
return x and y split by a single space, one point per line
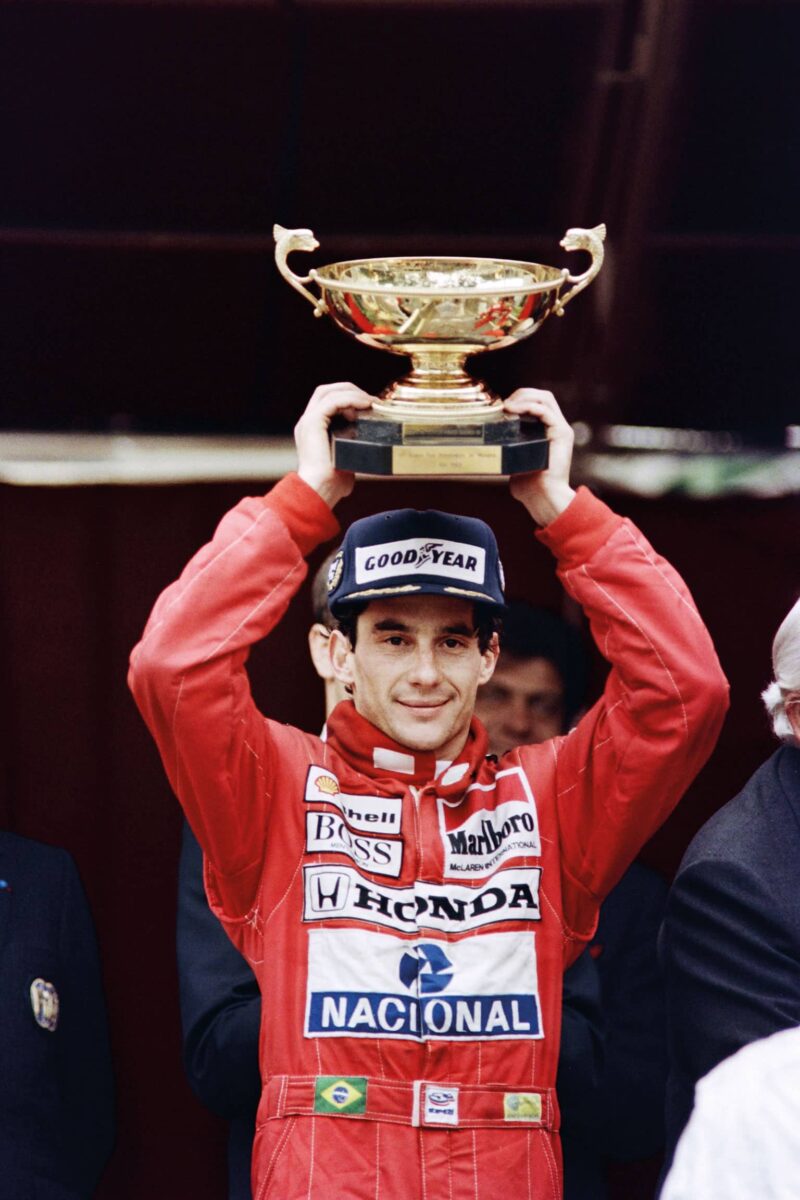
80 568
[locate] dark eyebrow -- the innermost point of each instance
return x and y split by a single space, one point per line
391 625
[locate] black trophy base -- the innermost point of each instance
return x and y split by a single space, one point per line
507 445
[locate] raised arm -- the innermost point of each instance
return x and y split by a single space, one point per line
620 772
188 672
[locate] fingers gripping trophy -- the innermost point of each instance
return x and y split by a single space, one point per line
437 419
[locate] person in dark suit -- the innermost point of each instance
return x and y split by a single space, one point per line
537 692
56 1083
220 1016
730 944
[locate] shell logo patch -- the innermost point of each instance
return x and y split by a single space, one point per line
45 1004
327 785
336 1094
522 1106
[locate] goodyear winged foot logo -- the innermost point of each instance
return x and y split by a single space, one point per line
414 556
335 1094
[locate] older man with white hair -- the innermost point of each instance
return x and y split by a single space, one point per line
730 944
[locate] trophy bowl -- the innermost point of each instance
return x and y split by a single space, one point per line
438 311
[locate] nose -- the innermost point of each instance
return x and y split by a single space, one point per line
424 670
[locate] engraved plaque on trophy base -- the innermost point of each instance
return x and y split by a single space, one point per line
508 445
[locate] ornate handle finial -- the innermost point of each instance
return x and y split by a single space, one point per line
590 240
287 240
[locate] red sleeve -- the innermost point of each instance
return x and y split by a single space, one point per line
624 767
188 674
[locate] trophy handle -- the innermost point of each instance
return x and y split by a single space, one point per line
287 240
590 240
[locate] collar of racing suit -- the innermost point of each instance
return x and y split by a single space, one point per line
375 754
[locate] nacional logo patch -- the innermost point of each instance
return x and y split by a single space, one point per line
490 836
522 1106
365 984
420 556
334 891
338 1094
372 814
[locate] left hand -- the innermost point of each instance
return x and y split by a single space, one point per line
314 455
545 493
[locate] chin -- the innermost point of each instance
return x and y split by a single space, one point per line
424 738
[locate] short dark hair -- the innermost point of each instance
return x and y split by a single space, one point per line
530 632
487 622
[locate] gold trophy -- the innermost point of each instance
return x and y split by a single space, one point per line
437 420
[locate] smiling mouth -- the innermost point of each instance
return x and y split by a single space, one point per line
423 705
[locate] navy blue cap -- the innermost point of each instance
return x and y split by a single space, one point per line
409 552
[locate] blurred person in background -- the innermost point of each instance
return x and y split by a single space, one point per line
730 944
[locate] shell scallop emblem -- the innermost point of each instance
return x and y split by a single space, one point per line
327 785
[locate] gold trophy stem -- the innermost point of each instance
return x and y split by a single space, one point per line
438 388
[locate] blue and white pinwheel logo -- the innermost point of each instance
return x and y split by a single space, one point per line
427 966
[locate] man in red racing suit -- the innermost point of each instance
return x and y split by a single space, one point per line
407 905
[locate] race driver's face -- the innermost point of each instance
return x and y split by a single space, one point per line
415 670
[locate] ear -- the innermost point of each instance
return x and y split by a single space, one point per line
792 708
341 657
489 659
319 637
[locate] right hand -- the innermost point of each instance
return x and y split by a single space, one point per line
314 453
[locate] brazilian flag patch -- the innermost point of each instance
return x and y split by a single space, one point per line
522 1106
334 1094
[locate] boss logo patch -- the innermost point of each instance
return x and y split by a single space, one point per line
327 832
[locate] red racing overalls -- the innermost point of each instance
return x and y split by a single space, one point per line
409 921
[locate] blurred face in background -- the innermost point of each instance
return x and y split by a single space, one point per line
522 703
